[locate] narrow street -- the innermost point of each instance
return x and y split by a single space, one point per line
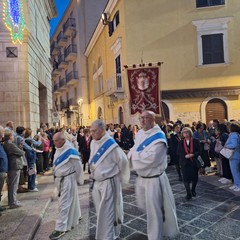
214 214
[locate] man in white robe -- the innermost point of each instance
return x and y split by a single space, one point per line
109 169
68 173
148 158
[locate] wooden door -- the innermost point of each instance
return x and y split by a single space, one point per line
216 109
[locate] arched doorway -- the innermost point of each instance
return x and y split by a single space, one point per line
216 109
120 115
165 111
100 113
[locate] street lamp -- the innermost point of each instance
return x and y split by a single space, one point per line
80 102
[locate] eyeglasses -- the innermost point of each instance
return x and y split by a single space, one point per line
144 118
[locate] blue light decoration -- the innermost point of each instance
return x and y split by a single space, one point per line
14 19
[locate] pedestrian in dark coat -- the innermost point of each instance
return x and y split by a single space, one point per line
188 151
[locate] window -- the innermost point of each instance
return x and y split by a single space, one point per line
212 40
209 3
212 46
113 24
118 72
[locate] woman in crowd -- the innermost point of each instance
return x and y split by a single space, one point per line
31 159
188 151
233 142
118 137
222 133
15 164
201 135
46 149
174 140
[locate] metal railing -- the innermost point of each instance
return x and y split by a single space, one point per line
115 83
72 75
72 48
61 36
62 82
71 22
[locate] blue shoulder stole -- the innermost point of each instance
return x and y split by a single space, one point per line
65 156
102 150
151 139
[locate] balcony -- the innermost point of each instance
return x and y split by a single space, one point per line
56 89
62 62
61 40
71 52
115 87
64 105
62 85
72 78
54 49
69 27
56 71
73 102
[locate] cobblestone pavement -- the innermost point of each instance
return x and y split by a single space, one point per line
214 214
81 231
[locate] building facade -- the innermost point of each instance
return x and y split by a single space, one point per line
69 76
197 43
25 67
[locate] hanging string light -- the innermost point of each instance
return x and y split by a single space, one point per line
14 19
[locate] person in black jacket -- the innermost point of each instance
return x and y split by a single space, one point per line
175 138
84 148
188 151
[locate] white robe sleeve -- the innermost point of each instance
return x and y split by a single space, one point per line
79 171
121 159
149 157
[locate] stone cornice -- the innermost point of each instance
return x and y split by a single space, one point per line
108 10
51 8
201 92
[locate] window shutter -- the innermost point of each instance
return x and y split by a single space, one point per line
212 48
110 28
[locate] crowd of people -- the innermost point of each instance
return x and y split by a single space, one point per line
144 149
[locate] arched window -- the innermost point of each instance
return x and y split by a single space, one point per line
100 75
216 109
100 113
165 111
120 115
95 79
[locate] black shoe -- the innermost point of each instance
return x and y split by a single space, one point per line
194 193
188 197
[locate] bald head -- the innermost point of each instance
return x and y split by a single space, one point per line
147 120
59 139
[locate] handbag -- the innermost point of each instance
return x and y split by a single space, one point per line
226 152
218 147
199 161
206 146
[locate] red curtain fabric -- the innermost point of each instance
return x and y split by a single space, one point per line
144 89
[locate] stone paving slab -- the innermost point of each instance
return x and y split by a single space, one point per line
214 214
22 223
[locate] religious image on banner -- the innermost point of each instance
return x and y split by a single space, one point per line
144 89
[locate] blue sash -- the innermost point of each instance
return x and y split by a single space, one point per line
65 156
151 139
102 150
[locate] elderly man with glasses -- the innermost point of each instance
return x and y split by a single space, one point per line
148 158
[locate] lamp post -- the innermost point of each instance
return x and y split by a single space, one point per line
80 102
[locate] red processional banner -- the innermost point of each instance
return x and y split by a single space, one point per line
144 89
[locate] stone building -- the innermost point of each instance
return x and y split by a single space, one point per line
197 42
25 66
69 76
